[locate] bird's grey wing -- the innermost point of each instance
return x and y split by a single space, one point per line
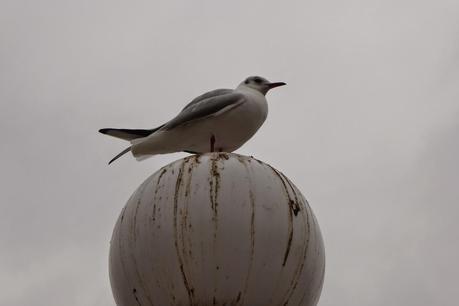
206 107
210 94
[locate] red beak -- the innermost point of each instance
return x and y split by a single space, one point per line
276 84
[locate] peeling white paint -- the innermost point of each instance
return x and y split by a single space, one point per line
217 229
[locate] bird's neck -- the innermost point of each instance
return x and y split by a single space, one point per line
243 88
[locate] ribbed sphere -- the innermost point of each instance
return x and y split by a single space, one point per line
217 229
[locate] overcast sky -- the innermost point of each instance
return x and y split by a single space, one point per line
367 128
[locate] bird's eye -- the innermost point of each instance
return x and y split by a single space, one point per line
257 80
247 81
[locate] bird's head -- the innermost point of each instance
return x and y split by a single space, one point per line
260 84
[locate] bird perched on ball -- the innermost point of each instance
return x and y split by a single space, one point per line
218 120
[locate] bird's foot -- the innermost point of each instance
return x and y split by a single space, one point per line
212 143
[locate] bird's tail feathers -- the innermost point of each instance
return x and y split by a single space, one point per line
119 155
143 157
136 141
137 151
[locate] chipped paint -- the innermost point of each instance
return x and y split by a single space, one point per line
217 229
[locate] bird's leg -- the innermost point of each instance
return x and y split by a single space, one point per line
212 143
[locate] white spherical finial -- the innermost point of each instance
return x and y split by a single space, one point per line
217 229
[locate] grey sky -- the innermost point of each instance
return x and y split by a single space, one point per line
367 128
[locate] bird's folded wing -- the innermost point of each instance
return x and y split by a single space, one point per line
207 95
206 107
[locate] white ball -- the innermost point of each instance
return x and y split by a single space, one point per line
217 229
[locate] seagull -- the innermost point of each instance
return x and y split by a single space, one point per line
219 120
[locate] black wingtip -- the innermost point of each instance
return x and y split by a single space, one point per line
104 131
